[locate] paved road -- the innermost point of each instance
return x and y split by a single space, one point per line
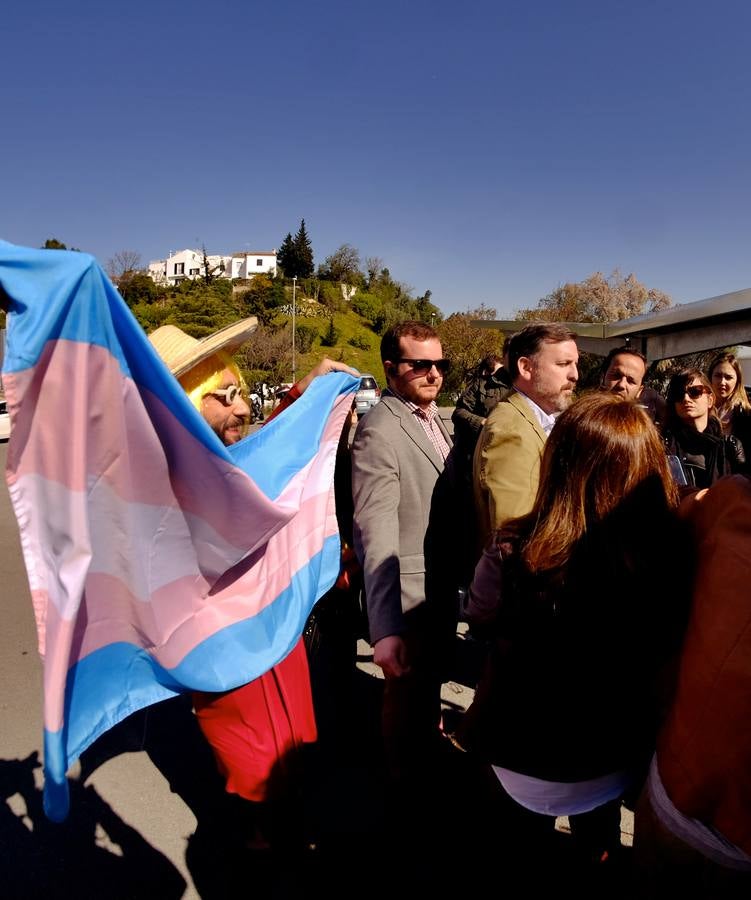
132 816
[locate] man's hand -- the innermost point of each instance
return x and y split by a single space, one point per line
390 653
325 366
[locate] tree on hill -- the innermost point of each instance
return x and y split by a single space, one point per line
295 256
268 350
264 297
597 299
138 287
285 256
54 244
124 262
342 265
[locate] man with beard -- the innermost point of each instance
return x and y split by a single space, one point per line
623 373
542 362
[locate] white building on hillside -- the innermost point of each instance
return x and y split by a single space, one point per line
189 264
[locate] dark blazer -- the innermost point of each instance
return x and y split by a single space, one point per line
395 470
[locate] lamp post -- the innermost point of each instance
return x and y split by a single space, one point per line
294 292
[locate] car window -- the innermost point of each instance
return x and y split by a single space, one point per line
368 384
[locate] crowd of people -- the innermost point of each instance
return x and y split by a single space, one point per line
600 556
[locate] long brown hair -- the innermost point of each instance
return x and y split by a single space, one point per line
603 456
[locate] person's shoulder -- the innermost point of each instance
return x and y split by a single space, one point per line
504 407
383 415
513 409
387 408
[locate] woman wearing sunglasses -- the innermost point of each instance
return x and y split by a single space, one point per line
693 432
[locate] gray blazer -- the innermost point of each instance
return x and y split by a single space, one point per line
394 473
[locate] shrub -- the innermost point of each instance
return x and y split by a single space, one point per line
304 337
330 338
360 341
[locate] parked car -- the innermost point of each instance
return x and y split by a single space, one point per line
280 392
4 421
368 394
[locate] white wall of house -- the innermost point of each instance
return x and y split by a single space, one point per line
189 264
158 270
253 263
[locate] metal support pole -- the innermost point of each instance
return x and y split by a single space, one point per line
294 363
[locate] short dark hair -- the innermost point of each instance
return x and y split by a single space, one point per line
622 351
530 339
390 348
489 363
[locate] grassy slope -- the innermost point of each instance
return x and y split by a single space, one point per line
349 324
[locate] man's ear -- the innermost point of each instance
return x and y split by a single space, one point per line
389 368
525 368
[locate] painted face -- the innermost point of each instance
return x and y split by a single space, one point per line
624 376
549 376
724 381
694 411
228 419
420 388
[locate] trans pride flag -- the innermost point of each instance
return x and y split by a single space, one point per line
159 561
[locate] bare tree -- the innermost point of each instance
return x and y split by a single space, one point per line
342 265
374 265
597 299
269 350
123 263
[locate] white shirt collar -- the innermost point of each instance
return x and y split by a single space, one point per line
546 420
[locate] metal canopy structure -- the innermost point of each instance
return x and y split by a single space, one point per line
722 321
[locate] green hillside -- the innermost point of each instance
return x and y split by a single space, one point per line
349 326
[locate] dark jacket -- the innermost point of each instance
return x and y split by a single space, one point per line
571 689
474 405
705 455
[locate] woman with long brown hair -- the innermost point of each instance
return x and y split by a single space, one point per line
583 614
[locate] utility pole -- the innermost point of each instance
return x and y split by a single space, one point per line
294 292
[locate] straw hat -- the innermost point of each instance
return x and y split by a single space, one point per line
182 352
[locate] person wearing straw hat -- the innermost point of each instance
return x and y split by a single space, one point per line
253 729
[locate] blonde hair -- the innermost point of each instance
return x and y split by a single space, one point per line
206 377
739 398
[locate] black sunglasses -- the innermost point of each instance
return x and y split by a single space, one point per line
694 392
423 366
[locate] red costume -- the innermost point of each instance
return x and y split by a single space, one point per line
252 728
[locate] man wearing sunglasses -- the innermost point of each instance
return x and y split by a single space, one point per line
398 455
506 469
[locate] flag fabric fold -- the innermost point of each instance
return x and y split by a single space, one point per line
159 561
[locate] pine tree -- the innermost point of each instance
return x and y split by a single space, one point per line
286 256
303 253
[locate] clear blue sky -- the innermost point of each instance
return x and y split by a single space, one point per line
488 150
